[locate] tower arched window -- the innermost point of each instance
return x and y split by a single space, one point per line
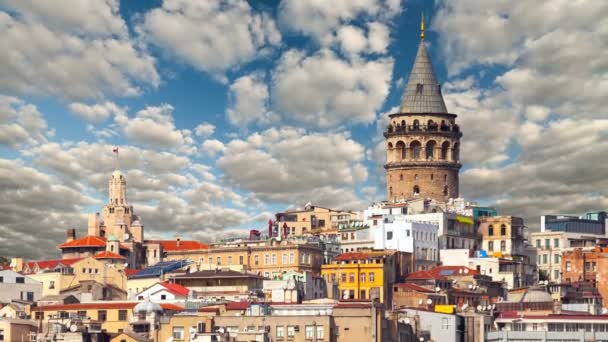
401 177
445 190
415 146
403 124
390 191
416 190
416 125
430 149
490 230
432 176
401 150
445 147
445 178
456 152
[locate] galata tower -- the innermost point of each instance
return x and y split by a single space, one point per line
422 139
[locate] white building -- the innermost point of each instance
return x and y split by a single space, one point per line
420 239
15 286
164 292
283 291
354 236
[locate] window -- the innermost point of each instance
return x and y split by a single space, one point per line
64 314
178 333
285 256
81 314
343 277
556 258
445 323
1 334
537 243
544 259
163 297
309 332
320 332
389 235
274 259
30 295
547 243
230 260
218 260
587 266
362 277
362 294
266 259
593 266
503 230
291 331
555 274
122 315
20 280
568 266
240 259
491 246
351 294
292 258
39 315
1 279
351 277
280 332
102 315
266 274
556 243
51 284
200 327
210 260
503 245
490 230
416 190
256 260
372 277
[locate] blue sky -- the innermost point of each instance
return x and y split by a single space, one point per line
228 111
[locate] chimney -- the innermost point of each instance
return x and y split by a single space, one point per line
71 235
178 241
17 264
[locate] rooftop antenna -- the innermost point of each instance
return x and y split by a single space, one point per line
115 150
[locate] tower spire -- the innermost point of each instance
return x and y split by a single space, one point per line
422 28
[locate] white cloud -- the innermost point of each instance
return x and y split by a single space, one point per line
293 166
45 53
211 35
330 91
248 99
212 147
20 123
204 130
96 112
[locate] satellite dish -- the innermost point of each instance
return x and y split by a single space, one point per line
429 301
604 311
466 271
437 289
470 286
126 236
73 328
460 270
478 307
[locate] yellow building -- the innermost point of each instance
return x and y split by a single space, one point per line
366 274
62 278
114 316
14 329
312 220
269 258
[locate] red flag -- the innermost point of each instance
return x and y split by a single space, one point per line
115 150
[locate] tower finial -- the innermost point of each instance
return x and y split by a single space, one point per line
422 28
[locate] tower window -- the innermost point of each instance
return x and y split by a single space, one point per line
445 190
415 147
401 177
416 125
419 88
445 178
445 147
432 176
416 190
401 149
416 176
430 149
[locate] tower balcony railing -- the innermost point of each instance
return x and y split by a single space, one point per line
453 130
423 162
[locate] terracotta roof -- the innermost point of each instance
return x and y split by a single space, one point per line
101 305
424 275
353 305
413 287
208 309
184 245
129 271
85 241
108 255
176 289
237 306
50 264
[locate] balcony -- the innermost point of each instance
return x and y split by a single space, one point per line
424 162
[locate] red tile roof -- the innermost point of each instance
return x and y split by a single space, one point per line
413 287
424 275
207 309
85 241
184 245
176 289
237 306
50 264
101 305
108 255
129 271
442 270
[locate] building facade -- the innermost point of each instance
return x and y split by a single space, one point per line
311 219
422 139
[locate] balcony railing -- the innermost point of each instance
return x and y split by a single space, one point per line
446 129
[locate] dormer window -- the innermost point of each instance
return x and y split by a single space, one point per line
419 88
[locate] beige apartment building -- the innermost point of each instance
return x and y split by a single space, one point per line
313 220
269 258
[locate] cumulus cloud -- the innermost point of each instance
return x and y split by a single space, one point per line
20 123
331 91
96 112
212 147
81 53
248 99
213 36
204 130
293 166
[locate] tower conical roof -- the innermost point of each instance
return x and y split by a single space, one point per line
422 93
